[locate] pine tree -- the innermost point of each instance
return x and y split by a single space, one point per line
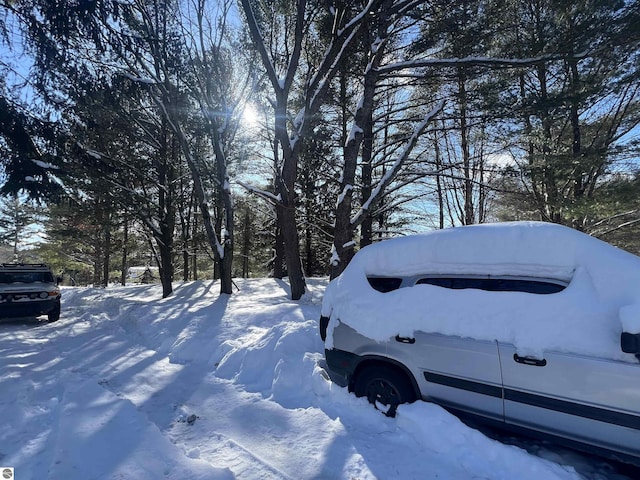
573 110
18 225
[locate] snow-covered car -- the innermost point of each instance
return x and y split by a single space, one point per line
531 325
28 290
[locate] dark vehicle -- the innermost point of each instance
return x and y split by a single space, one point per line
28 290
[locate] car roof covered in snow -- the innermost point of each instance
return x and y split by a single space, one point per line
603 294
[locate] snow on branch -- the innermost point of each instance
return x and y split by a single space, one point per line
319 82
618 227
613 217
357 19
264 194
298 126
355 130
391 173
477 61
89 151
343 194
258 41
335 258
45 165
334 54
133 78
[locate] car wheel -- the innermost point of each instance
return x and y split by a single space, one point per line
385 388
54 315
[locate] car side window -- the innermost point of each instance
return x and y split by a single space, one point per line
528 286
540 287
384 284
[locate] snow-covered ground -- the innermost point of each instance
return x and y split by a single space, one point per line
200 386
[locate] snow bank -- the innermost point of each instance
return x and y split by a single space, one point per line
473 452
584 318
630 318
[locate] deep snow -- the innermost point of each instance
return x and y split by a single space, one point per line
200 386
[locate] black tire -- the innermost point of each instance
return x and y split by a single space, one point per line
54 315
385 387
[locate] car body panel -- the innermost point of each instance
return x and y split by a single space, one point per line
459 375
459 372
446 369
559 353
585 401
583 398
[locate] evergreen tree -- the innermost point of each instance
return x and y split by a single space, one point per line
18 222
574 111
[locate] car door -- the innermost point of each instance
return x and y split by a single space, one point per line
460 373
581 398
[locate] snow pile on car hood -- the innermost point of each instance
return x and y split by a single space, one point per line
583 318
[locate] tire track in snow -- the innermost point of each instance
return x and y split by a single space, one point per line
224 451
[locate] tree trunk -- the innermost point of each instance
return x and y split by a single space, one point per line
439 190
286 208
106 263
165 265
286 211
164 242
466 155
16 236
366 228
185 262
343 243
186 235
309 253
246 243
278 252
576 141
125 252
226 201
194 267
549 208
219 250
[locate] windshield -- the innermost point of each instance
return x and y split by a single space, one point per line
26 277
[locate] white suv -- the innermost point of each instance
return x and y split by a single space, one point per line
28 290
533 326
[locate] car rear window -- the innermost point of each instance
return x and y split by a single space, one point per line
537 286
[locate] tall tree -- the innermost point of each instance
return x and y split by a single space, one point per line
17 221
384 30
29 151
580 111
282 61
127 157
168 51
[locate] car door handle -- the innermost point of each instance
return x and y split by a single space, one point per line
405 339
536 362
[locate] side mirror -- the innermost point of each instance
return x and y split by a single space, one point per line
58 280
630 342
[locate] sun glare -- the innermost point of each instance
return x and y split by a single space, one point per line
250 116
